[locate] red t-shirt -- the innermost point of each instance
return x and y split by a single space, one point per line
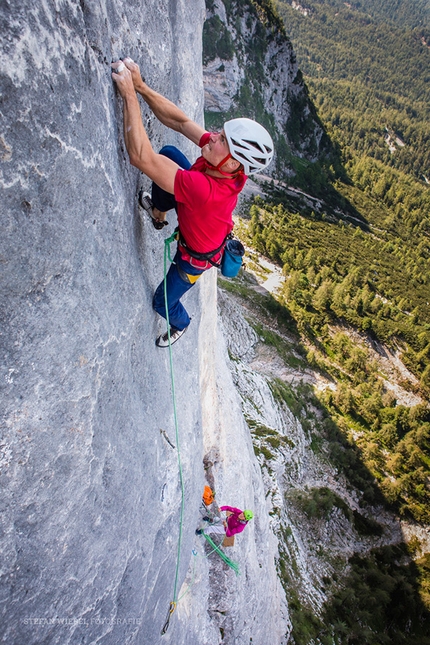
205 205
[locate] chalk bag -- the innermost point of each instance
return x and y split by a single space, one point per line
232 258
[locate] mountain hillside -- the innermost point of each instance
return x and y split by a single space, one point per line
250 69
349 565
345 340
368 76
403 13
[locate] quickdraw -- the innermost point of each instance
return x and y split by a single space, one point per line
172 608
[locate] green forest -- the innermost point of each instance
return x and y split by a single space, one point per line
369 77
362 262
355 255
363 259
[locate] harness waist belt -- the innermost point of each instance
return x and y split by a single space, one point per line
201 256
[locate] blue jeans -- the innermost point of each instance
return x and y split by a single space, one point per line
180 278
181 275
161 199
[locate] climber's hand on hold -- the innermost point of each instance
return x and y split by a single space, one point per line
135 73
165 111
122 77
157 167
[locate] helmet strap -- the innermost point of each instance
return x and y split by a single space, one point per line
221 163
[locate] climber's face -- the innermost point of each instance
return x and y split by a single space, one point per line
217 149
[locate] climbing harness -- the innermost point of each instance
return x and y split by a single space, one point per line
174 602
204 257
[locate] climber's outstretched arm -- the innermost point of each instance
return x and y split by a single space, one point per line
165 111
157 167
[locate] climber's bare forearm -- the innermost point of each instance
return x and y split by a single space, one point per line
165 111
169 114
157 167
136 139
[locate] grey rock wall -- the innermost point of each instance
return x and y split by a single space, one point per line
90 489
91 492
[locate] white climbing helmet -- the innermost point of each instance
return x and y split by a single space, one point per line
249 143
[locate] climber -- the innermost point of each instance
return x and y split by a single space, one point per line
235 522
204 194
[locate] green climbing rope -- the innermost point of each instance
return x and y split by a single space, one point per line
233 565
173 604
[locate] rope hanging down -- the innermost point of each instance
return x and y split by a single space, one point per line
174 602
233 565
230 563
173 605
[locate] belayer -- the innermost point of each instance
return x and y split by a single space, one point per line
204 194
234 523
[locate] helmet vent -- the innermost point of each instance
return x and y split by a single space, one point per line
242 156
255 145
238 143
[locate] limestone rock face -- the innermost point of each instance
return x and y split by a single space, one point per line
91 493
222 82
250 69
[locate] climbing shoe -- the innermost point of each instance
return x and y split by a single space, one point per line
146 203
199 531
175 334
207 519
